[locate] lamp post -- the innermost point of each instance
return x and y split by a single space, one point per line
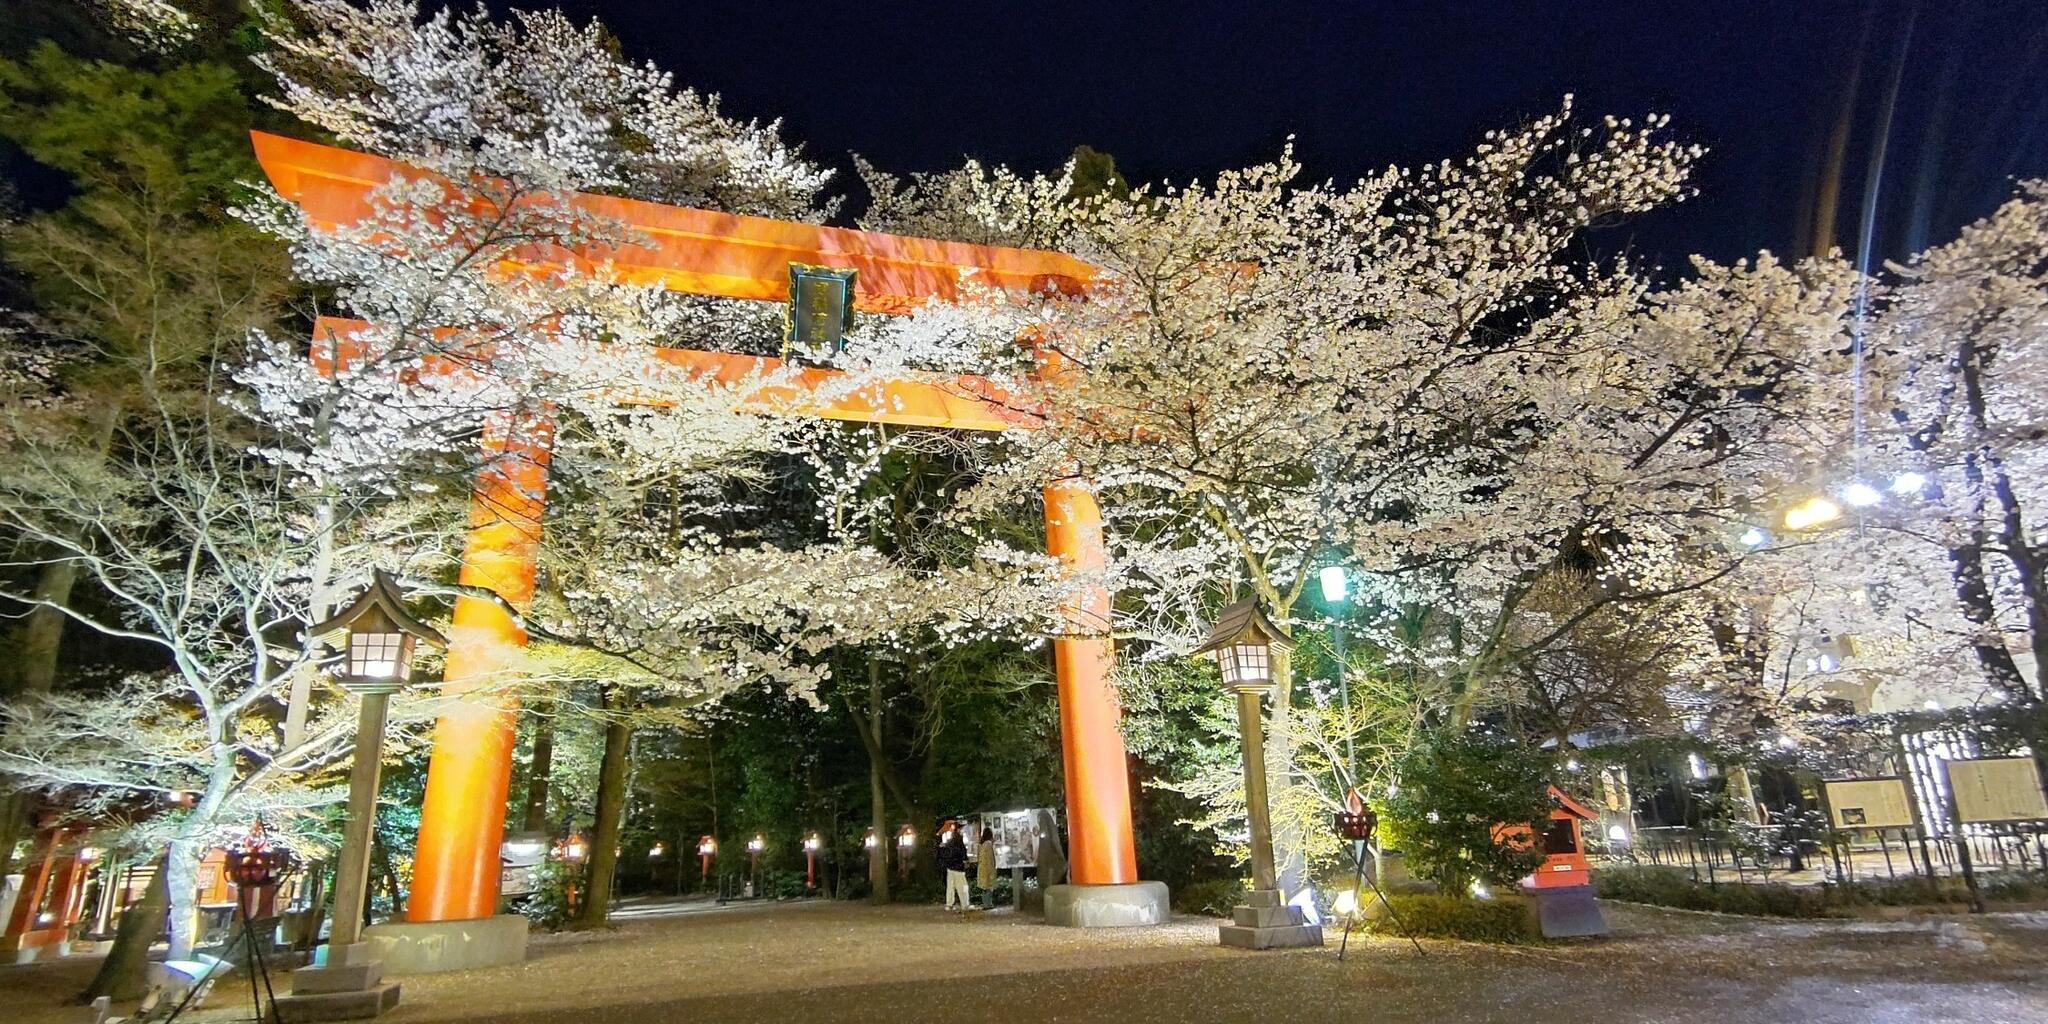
1241 643
754 848
811 846
707 848
381 639
1336 588
906 841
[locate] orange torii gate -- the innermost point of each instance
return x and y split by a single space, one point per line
456 867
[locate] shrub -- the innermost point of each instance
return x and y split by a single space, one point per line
1915 890
1212 897
547 906
1430 915
1456 788
1674 887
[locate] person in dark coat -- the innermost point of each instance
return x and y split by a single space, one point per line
953 860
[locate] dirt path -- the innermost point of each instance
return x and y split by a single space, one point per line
833 962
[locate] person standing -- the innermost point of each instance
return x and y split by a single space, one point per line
985 865
953 858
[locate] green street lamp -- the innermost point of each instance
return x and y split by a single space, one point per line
1336 587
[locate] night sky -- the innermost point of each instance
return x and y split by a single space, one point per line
1182 90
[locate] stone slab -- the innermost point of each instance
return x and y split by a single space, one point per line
359 1005
1267 917
337 978
1107 906
1569 912
429 947
1284 937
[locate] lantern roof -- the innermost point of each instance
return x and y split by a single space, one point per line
1567 805
1244 623
380 599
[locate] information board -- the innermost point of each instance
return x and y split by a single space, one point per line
1997 789
1016 835
1869 803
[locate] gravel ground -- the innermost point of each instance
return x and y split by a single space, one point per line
838 962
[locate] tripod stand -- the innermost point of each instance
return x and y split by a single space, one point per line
1357 848
259 971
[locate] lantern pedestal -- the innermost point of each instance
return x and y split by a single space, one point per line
429 947
347 984
1265 921
1107 906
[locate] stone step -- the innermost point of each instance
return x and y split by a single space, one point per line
358 1005
1240 937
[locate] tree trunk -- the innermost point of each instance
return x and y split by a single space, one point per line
380 853
1289 860
611 813
124 973
36 643
538 773
878 818
181 882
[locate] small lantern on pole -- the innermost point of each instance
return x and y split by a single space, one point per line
812 844
1242 643
754 848
381 638
906 841
707 848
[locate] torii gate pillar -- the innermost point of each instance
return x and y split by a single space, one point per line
1102 854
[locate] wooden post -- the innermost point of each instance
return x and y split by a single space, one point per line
352 870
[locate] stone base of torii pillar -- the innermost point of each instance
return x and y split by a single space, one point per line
1107 906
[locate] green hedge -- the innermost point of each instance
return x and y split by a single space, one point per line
1674 887
1212 897
1429 915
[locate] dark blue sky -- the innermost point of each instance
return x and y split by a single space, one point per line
1181 90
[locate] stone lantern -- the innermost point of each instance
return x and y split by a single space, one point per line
1242 643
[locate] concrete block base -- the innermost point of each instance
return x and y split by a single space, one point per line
1569 912
1265 921
432 946
352 968
1107 906
357 1005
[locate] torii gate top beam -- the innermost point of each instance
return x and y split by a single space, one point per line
702 252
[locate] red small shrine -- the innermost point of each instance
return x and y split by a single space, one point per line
1562 885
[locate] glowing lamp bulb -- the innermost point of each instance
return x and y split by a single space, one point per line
1908 483
1754 537
1333 582
1811 513
1861 495
1346 903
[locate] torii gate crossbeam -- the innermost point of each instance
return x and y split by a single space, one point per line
456 865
